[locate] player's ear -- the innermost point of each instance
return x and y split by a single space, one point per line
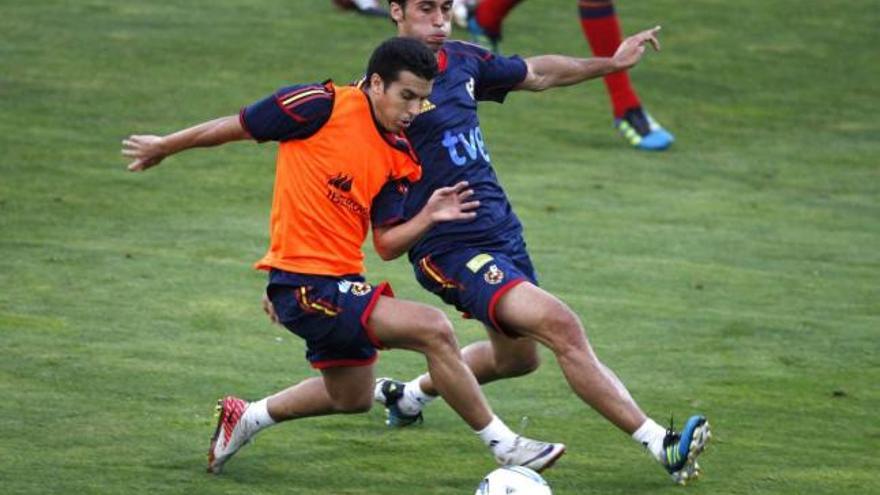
395 10
377 85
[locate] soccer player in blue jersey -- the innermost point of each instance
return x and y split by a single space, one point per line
482 266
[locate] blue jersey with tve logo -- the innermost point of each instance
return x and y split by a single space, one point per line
449 142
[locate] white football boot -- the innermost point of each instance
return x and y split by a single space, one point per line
231 433
533 454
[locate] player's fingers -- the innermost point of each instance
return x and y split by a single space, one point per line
136 166
460 186
449 190
130 153
441 193
647 33
655 41
465 194
472 205
270 311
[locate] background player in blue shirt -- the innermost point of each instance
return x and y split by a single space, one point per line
482 266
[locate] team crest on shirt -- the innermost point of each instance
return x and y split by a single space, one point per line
493 275
361 288
469 86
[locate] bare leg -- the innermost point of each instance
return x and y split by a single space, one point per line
407 325
536 314
400 324
427 330
500 357
533 312
421 328
338 390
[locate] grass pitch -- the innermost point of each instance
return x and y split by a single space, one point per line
736 274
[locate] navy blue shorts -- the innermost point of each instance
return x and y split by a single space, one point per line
473 279
330 314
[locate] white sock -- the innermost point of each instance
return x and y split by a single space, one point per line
497 436
651 435
257 415
414 399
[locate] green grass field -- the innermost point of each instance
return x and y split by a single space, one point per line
737 274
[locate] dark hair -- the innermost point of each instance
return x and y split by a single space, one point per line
398 54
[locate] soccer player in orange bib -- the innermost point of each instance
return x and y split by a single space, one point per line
339 147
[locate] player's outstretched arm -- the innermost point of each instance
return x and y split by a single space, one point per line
147 150
445 204
551 71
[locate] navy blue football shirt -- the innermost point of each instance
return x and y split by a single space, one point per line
449 143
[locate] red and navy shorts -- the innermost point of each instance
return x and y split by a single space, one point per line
473 279
330 314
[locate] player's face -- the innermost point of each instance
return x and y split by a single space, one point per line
429 21
399 102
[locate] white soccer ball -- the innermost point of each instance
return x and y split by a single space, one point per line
513 480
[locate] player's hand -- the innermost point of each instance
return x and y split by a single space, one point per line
147 151
632 48
269 309
451 203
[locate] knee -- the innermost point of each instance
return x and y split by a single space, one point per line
438 335
564 331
